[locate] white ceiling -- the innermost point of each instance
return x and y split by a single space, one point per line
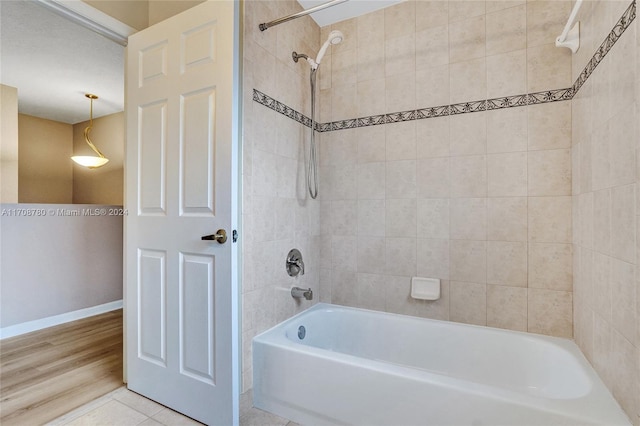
342 11
53 62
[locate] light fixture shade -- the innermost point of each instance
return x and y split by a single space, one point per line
90 161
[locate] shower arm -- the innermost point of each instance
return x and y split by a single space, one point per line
264 26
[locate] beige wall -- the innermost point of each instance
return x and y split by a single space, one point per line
480 200
140 14
159 10
606 145
134 13
8 144
104 185
278 214
45 171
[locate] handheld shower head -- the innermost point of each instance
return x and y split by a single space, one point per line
335 37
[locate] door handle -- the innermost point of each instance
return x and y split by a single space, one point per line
220 236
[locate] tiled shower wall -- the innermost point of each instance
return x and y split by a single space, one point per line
480 200
277 214
605 185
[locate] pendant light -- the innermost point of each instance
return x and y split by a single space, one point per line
90 161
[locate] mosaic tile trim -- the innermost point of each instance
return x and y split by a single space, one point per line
466 107
623 23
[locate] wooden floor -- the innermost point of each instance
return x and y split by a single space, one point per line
48 373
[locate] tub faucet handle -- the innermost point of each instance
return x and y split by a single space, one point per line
298 293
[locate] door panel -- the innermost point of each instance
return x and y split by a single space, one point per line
181 298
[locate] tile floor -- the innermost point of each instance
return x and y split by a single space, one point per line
123 408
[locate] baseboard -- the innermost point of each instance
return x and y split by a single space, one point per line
35 325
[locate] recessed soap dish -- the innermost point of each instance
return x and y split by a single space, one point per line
425 288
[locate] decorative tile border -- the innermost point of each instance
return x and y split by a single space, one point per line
466 107
623 23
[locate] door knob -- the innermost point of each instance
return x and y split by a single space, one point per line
220 236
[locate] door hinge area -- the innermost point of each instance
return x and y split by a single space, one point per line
234 235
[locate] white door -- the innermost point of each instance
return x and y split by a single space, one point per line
181 151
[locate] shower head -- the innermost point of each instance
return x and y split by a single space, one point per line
335 37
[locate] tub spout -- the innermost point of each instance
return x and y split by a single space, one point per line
298 293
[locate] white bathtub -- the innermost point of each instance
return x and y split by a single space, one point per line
370 368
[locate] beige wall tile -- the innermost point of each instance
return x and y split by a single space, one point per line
398 291
342 253
400 19
625 373
468 219
507 74
546 20
370 97
469 176
507 174
431 13
550 312
371 218
344 288
585 224
371 144
622 154
549 172
371 255
401 141
550 266
400 92
550 219
548 67
602 221
400 54
600 161
370 28
507 219
433 258
623 298
468 80
507 263
602 285
371 291
623 212
432 87
401 218
468 134
468 261
507 130
432 138
468 303
507 30
467 39
463 9
507 307
433 177
432 47
602 356
371 180
371 61
400 256
344 217
549 125
344 69
344 102
401 179
433 218
496 5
